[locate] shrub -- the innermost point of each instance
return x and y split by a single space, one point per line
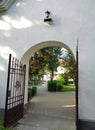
60 78
66 78
52 85
34 91
55 86
59 86
31 92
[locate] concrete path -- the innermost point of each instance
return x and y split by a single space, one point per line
49 111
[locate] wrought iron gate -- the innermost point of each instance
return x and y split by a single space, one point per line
15 91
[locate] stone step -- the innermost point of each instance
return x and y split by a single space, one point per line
4 4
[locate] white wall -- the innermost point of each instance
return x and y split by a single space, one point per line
3 78
22 27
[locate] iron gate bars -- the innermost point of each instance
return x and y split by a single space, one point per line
15 91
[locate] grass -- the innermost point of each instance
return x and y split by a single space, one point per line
2 127
69 87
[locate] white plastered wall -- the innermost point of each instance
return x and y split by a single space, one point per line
22 27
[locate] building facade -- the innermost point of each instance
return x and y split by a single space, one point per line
23 31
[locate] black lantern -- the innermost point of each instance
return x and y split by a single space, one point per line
47 19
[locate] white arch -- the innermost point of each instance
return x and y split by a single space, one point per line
38 46
27 55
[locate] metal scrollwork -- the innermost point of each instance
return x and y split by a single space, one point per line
18 84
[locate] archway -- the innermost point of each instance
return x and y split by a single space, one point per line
25 58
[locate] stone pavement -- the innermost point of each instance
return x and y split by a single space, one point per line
49 111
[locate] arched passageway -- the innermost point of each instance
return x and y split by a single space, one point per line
25 58
31 51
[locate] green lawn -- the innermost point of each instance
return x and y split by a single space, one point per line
69 87
1 126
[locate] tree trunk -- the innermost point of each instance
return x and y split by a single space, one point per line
52 74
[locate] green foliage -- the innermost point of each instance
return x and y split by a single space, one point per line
34 91
47 60
57 86
70 64
31 92
53 55
52 85
66 79
43 60
1 126
34 80
1 122
60 78
63 79
69 87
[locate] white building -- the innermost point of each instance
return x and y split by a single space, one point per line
23 32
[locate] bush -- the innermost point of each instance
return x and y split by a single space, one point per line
55 86
31 92
52 85
59 86
66 78
34 91
60 78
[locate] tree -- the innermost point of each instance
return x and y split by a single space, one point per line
46 59
70 64
35 68
51 60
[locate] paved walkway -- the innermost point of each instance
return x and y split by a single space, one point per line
49 111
